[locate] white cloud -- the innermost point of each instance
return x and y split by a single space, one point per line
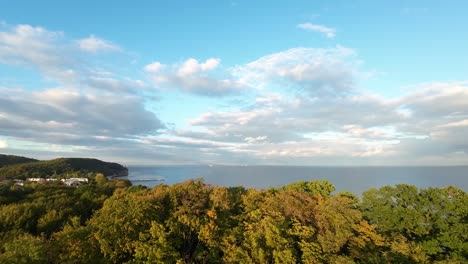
66 116
154 67
94 44
462 123
318 72
38 49
255 139
304 107
192 66
86 108
360 127
194 77
327 31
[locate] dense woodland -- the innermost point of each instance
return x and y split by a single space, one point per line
12 160
15 167
110 221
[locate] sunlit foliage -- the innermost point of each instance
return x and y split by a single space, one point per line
109 221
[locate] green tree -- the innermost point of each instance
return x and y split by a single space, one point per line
320 187
118 224
25 249
100 179
426 225
155 247
75 244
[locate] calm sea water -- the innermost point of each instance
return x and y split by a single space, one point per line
353 179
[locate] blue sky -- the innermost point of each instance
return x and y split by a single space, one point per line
236 82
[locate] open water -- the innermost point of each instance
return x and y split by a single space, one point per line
352 179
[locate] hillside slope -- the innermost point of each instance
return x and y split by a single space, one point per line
56 167
12 160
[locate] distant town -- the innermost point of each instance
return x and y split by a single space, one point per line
71 182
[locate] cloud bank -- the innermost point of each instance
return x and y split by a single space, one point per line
301 106
83 110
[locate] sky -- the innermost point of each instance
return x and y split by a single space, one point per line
309 83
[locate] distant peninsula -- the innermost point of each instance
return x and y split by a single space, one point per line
16 167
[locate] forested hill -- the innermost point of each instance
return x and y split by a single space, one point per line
56 167
12 160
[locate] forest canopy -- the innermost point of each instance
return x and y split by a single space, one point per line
15 167
12 160
109 221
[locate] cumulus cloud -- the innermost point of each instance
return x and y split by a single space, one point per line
438 99
38 49
51 54
318 72
85 109
327 31
192 66
48 52
303 107
94 44
64 116
192 76
154 67
361 127
297 119
439 110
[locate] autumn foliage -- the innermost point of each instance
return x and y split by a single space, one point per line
193 222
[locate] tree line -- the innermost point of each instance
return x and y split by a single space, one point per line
109 221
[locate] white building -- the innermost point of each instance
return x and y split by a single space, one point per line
35 179
75 181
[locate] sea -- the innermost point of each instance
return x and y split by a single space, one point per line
352 179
